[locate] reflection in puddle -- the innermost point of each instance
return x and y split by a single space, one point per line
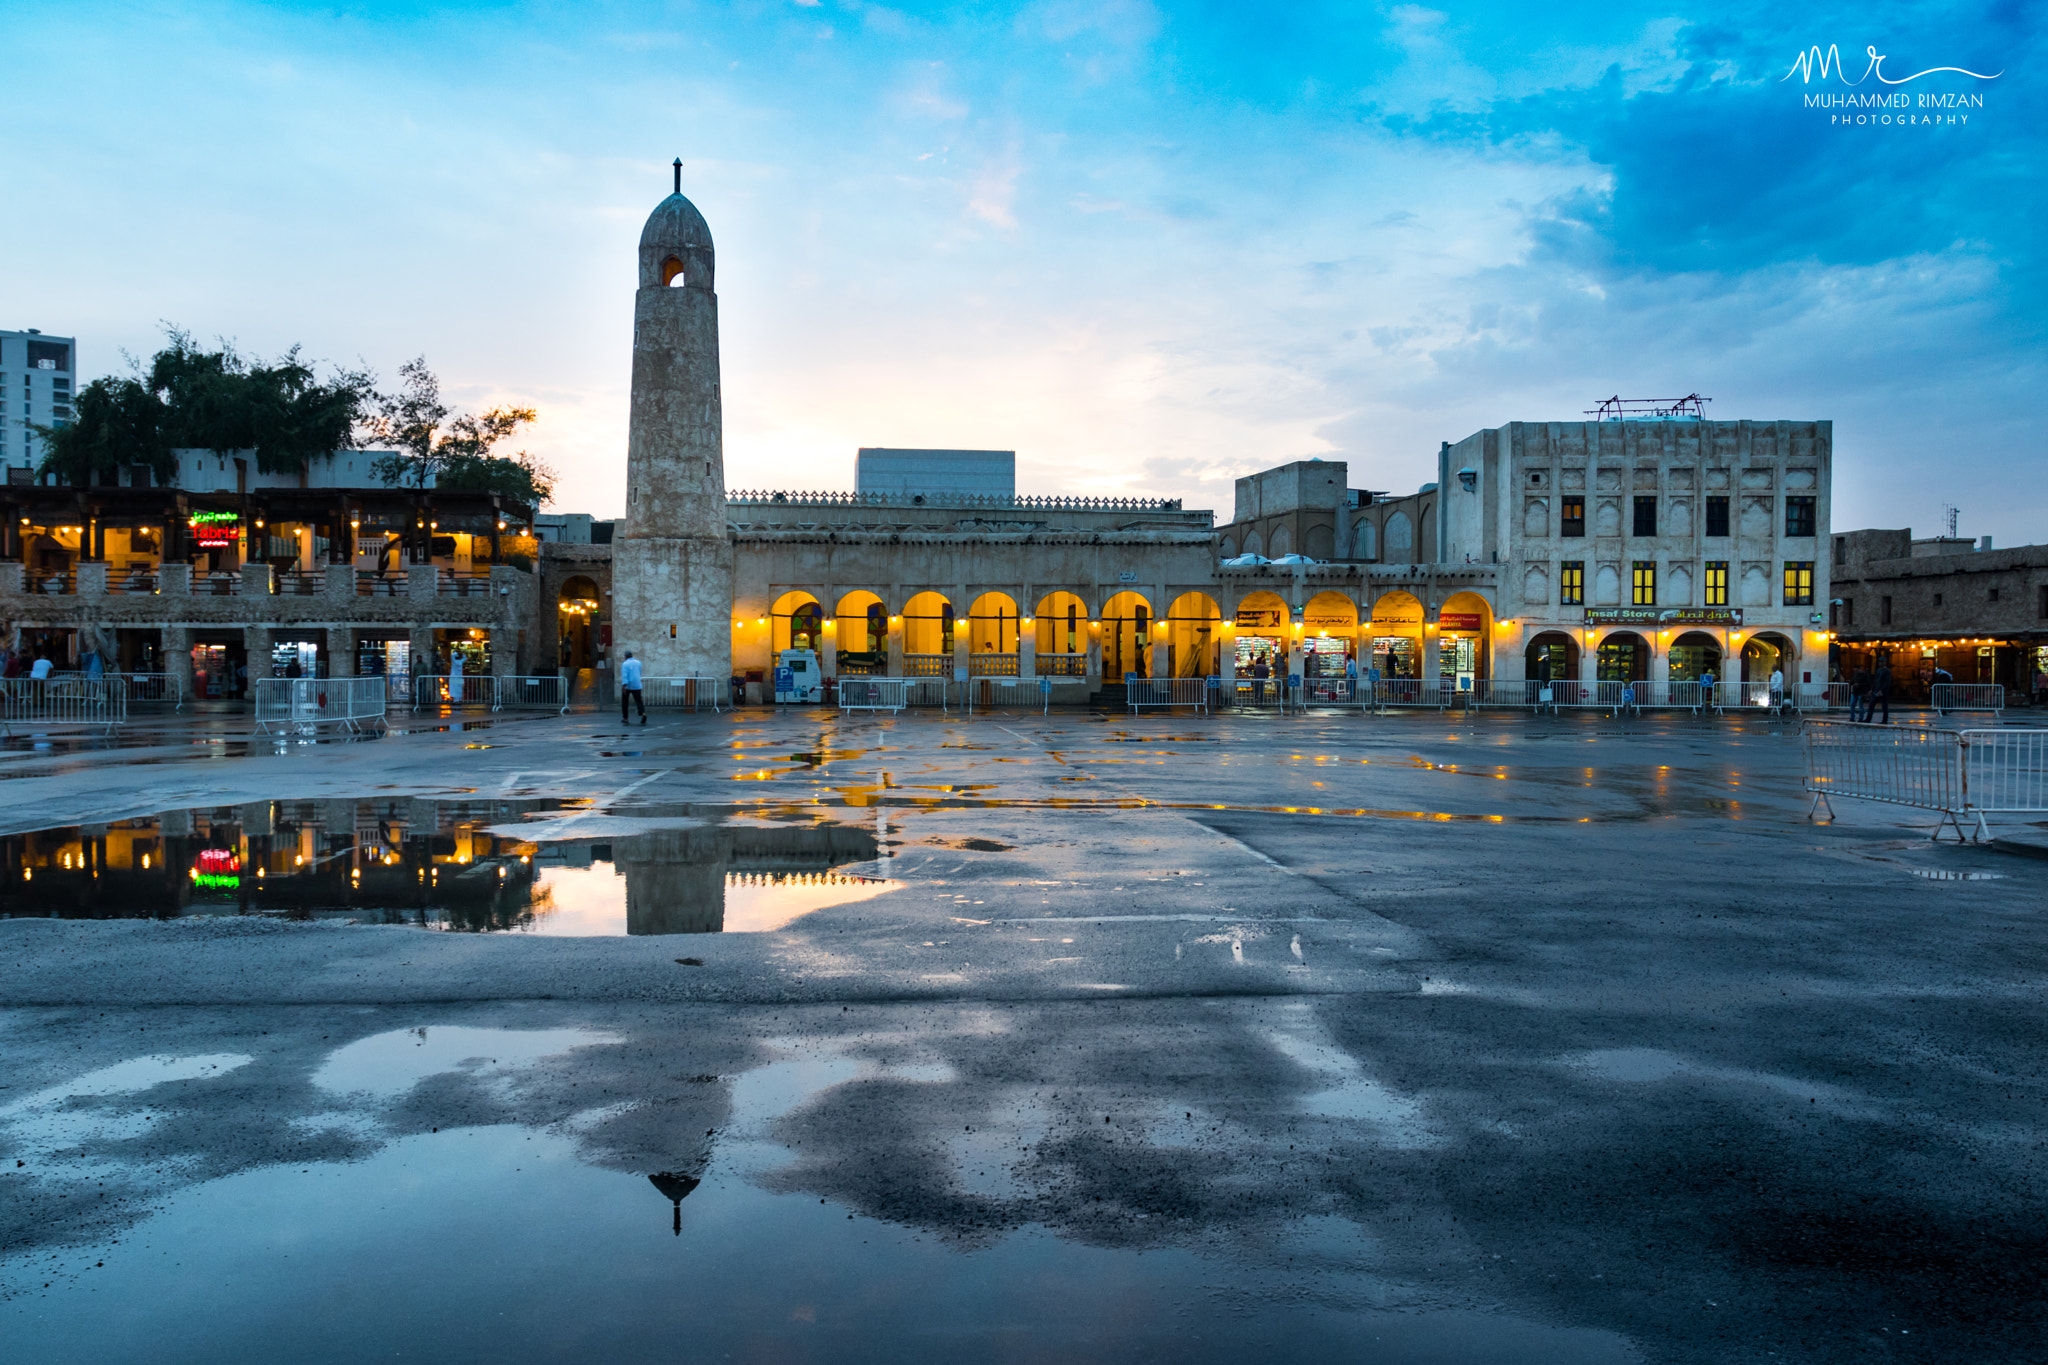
453 865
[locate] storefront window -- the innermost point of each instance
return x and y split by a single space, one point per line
1397 656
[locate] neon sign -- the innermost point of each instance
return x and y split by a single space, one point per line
216 530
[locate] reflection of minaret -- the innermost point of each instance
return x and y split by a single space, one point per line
675 881
676 1188
672 562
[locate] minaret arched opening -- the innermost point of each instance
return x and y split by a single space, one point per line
673 275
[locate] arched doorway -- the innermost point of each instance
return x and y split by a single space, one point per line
1262 634
1624 656
1126 633
1557 650
1765 653
796 622
1194 629
928 636
1329 635
1060 627
861 623
579 615
1395 633
992 627
1695 653
1464 635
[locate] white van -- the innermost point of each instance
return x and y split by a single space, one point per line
799 678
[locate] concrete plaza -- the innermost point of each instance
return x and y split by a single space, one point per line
1174 1037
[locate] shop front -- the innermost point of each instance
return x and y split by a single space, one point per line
1261 636
220 665
1395 636
1329 635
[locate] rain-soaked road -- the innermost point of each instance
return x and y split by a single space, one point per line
1025 1038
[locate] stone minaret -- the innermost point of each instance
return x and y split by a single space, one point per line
672 563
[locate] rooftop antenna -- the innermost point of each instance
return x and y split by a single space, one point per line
679 175
1949 510
1619 409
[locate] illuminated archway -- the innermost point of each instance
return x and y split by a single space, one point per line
861 622
1393 637
1060 626
579 611
928 635
796 621
1126 631
1263 634
1464 626
1193 632
1329 635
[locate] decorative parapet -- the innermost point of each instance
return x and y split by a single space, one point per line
1028 502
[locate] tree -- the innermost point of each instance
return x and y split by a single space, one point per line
460 457
192 397
117 422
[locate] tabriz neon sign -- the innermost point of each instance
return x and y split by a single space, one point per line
216 530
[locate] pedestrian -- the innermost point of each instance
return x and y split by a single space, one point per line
40 669
455 678
1859 695
1260 672
1777 689
1881 693
629 690
1350 677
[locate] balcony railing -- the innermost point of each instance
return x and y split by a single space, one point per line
927 665
54 584
456 583
992 665
217 585
1063 665
298 583
372 584
140 581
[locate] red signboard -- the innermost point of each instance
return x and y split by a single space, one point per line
1458 620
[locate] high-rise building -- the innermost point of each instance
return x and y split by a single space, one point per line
37 374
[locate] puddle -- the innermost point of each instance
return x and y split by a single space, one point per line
605 1236
448 865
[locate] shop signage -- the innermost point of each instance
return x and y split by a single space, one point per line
216 530
1261 618
1397 618
1668 616
1458 620
1328 622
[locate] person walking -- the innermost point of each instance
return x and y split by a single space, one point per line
1350 677
1881 693
1260 672
629 690
1777 690
1859 695
40 669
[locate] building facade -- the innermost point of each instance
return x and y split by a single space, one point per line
1979 613
37 373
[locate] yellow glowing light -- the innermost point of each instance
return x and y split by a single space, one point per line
145 862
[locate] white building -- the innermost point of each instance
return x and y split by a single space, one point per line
36 377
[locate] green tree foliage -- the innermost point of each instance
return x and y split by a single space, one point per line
190 397
410 421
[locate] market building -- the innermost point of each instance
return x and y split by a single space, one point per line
1979 613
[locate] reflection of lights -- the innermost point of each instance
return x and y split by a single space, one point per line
145 862
27 874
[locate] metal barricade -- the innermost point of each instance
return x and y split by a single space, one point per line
154 687
1759 696
464 692
1490 693
101 702
1140 693
1832 696
1908 766
539 692
2005 772
1409 692
987 694
873 694
1253 694
1333 692
1969 697
680 694
305 703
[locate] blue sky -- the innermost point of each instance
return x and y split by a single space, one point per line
1150 247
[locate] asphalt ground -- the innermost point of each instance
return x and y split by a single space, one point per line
1408 1038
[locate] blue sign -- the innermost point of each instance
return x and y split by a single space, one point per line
1045 684
785 680
1294 679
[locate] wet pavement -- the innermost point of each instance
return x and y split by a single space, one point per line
1018 1038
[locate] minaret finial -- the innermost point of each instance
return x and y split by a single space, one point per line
679 175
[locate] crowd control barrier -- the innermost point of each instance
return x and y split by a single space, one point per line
1254 694
994 691
99 702
1907 766
1388 693
470 692
874 694
683 694
1140 693
1338 692
2005 772
304 703
1969 697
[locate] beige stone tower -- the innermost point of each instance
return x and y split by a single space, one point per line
672 564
